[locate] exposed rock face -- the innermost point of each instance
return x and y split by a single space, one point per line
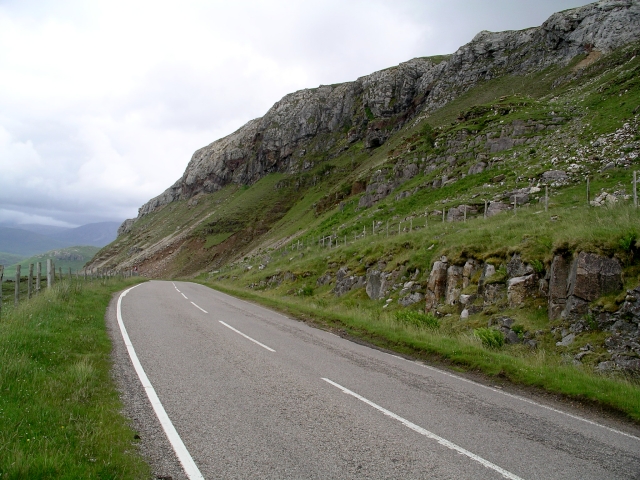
517 268
496 207
126 226
469 270
411 299
454 284
590 277
345 282
377 284
437 284
372 107
558 276
520 288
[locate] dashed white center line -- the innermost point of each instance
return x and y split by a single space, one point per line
199 308
427 433
183 295
247 336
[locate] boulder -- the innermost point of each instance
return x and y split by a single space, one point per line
374 284
566 340
477 168
377 284
517 268
469 270
346 282
558 276
487 272
519 288
411 299
456 214
323 280
604 199
494 293
410 171
437 283
590 277
454 284
495 208
554 176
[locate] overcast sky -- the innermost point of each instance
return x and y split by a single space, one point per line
103 103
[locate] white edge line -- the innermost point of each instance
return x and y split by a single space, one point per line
183 295
199 308
189 466
246 336
427 433
518 397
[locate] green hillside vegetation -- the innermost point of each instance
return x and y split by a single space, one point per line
65 258
9 258
263 241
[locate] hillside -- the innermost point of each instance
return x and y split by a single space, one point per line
65 258
416 197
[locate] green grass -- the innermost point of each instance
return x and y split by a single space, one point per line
489 337
516 363
59 408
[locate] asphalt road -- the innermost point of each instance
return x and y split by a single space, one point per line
254 394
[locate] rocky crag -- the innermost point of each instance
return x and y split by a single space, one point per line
310 125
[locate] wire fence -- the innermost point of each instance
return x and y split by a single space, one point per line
24 287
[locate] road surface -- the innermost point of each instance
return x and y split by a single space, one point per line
249 393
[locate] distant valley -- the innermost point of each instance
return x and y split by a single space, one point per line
27 243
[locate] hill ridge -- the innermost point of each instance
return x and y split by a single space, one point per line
309 124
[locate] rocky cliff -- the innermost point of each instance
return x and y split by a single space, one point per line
307 126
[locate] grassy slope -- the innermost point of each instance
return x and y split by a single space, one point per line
59 409
61 258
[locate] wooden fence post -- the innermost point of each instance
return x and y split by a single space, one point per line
30 280
1 277
38 275
17 290
49 273
443 209
485 209
546 198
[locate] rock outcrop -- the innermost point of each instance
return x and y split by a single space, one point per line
370 109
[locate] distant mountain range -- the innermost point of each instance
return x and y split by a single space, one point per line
32 239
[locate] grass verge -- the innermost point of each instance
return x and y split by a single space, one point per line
536 369
59 407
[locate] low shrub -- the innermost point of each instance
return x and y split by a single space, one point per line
489 337
417 319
